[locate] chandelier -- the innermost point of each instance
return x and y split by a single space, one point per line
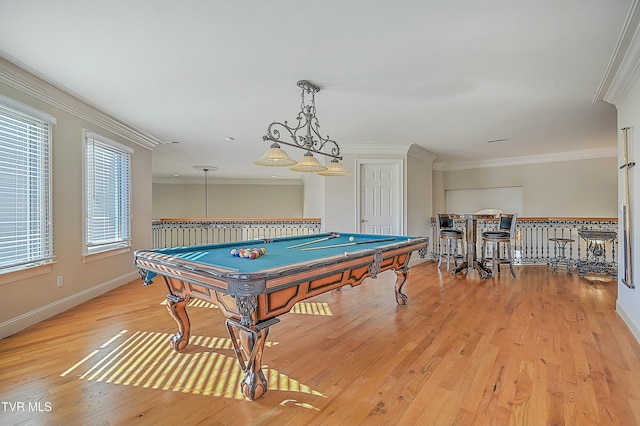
309 140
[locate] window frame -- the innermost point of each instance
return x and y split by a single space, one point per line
42 174
91 248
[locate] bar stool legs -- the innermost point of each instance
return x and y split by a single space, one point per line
449 251
560 254
494 258
502 235
449 237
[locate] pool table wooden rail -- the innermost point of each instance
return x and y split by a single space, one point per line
251 302
280 288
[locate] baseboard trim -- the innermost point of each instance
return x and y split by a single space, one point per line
13 325
628 320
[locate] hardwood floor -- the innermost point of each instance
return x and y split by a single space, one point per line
543 348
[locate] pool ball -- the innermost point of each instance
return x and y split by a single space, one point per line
351 238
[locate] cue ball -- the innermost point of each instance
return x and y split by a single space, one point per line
351 238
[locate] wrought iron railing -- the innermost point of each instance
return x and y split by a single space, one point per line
532 244
178 232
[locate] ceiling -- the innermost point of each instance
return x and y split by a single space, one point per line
448 76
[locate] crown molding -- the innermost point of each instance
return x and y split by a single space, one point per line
413 150
586 154
32 83
221 181
420 153
624 66
373 148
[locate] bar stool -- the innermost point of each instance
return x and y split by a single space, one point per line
560 254
449 239
494 239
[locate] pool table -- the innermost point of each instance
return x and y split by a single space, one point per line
252 293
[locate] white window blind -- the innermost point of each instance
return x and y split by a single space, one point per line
26 234
108 194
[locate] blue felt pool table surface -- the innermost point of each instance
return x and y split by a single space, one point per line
278 252
253 293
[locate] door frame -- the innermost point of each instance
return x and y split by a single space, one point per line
399 163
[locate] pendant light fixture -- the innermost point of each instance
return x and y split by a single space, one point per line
309 140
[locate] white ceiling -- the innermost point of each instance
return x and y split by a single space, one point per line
445 75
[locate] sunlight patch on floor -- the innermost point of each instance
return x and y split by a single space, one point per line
302 308
196 303
312 308
143 358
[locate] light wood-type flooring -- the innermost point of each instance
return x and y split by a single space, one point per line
545 348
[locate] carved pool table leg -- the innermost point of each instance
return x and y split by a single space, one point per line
177 309
249 354
254 384
401 274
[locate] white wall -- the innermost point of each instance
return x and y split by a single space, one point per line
439 204
314 197
239 200
506 199
340 199
341 194
32 295
419 195
572 188
628 304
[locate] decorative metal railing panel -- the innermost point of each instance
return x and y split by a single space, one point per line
532 244
188 232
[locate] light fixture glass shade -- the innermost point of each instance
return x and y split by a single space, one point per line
275 157
308 164
335 169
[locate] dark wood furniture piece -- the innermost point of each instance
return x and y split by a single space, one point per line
252 293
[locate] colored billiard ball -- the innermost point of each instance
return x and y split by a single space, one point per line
351 238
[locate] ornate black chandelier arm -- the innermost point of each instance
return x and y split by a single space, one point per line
306 120
321 143
301 142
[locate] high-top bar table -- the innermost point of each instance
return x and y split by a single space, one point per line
471 261
595 260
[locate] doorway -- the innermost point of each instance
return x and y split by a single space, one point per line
380 206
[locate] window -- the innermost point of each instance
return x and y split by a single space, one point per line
107 194
26 234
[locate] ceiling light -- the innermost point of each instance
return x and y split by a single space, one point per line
309 127
335 169
309 163
275 157
206 170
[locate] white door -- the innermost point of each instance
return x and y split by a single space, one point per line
380 206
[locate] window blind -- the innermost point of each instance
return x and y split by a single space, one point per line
26 234
108 195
